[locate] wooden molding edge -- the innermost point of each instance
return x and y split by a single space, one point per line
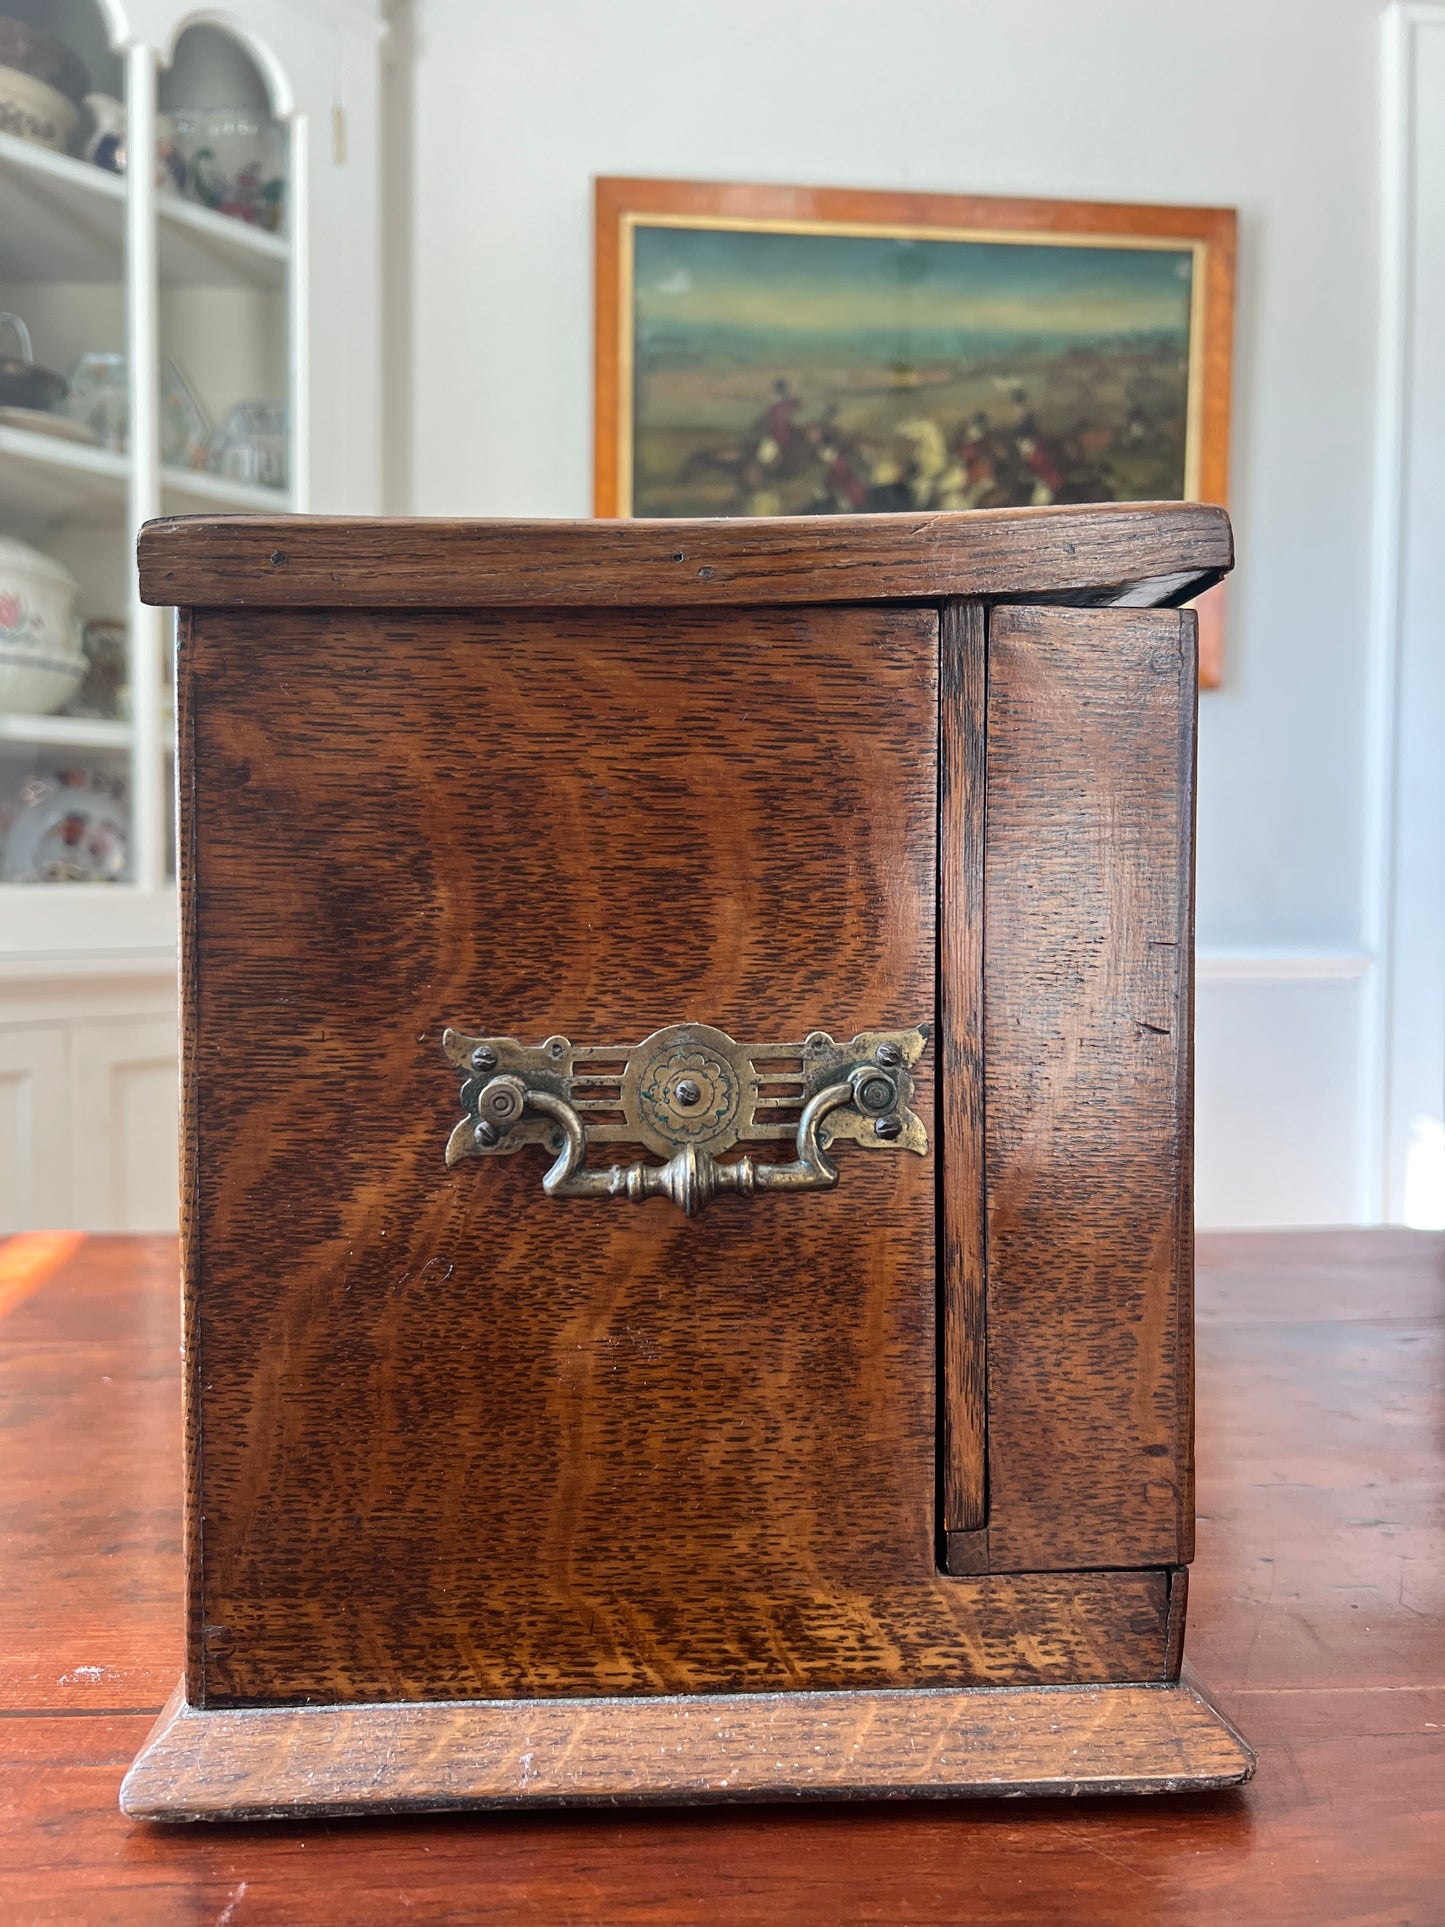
1137 554
284 1762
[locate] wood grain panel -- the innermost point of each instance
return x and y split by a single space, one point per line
1167 551
457 1439
1089 904
314 1761
90 1493
963 689
444 1423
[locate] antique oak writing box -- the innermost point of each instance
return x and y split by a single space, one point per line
686 1159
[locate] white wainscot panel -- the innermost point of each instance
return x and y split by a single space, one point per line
1279 1117
124 1124
34 1134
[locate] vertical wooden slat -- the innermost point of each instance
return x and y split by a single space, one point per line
1088 1052
1192 639
964 1409
189 887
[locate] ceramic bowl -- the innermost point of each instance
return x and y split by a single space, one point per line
235 162
41 661
35 110
31 51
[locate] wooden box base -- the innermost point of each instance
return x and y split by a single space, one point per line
289 1762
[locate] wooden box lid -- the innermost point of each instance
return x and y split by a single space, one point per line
1134 554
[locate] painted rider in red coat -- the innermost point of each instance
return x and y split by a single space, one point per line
1041 461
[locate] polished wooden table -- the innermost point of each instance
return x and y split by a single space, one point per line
1317 1614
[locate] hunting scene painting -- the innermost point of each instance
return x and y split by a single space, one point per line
790 373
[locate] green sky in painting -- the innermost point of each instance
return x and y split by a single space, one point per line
691 277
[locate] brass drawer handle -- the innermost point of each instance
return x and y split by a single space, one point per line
688 1092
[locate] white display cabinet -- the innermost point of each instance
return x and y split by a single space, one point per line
208 307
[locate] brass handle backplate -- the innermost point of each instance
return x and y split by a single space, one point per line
689 1093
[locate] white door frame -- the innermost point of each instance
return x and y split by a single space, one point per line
1405 884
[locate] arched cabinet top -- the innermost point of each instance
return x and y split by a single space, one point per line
274 34
275 84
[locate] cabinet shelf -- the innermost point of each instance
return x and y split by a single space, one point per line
65 221
66 732
186 490
43 479
199 248
98 922
64 218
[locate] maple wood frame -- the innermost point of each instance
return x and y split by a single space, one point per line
621 204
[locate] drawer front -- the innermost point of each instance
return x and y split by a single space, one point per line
456 1437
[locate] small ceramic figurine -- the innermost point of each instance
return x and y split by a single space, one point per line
170 164
235 162
105 146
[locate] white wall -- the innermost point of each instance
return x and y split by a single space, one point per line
1266 105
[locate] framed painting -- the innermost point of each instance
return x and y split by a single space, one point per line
790 351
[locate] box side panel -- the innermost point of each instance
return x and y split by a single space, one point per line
1088 892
